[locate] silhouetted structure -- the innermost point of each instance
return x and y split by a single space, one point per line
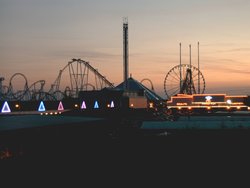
125 51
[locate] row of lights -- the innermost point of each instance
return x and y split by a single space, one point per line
50 113
209 108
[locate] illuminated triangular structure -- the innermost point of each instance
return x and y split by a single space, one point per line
6 108
60 106
83 106
41 107
96 105
112 105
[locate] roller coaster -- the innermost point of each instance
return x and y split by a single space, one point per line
78 75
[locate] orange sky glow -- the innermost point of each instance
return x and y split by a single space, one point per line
38 38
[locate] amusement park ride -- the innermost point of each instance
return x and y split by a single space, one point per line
184 86
184 79
79 74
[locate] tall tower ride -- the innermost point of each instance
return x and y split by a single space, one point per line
125 52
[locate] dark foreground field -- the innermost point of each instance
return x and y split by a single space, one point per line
106 139
101 149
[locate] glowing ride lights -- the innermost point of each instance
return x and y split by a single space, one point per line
60 106
5 108
83 106
112 105
96 105
41 107
216 102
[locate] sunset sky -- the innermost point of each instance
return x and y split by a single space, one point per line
39 37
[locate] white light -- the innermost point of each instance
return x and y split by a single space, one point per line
208 98
229 101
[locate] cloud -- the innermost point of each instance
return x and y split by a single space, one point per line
217 44
83 54
222 68
235 50
237 71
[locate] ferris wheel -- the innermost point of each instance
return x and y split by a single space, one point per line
185 79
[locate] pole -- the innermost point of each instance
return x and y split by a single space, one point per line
190 81
180 69
199 68
190 56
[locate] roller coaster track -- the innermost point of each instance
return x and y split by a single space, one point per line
80 78
77 75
